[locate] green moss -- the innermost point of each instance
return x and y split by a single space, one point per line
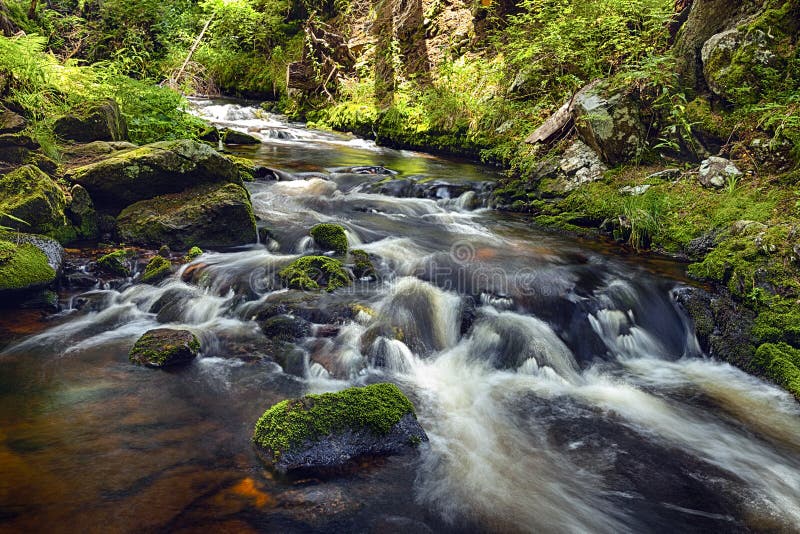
193 253
782 364
288 424
23 266
156 349
330 237
777 322
157 269
315 272
116 262
29 194
362 264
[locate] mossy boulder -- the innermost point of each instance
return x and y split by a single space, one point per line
286 327
208 216
29 194
96 121
152 170
23 266
164 347
194 253
610 122
313 273
80 211
781 363
17 148
329 236
157 269
234 137
322 432
10 122
362 264
117 263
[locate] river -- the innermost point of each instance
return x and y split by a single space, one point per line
560 385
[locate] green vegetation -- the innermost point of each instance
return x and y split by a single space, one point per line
193 254
157 269
362 265
312 273
116 262
782 364
288 424
23 266
330 237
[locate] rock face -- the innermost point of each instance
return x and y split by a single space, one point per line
164 347
207 216
29 194
28 262
152 170
610 123
318 433
101 121
715 172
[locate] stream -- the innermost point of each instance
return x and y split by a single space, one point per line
560 385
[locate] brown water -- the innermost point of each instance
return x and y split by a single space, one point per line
575 401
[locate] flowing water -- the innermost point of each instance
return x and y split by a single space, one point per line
560 386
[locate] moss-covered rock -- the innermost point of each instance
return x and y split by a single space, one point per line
329 236
319 432
157 269
95 121
10 122
117 263
286 327
782 364
314 273
207 216
194 253
29 194
164 347
23 266
234 137
152 170
81 212
362 264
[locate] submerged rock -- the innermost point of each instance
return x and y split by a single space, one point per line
164 347
362 265
101 121
152 170
323 432
330 237
207 216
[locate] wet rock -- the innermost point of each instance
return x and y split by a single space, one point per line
317 308
152 170
164 347
286 327
395 523
399 188
29 194
10 122
317 433
715 172
609 122
234 137
28 262
171 305
93 122
117 263
207 216
330 237
81 212
313 273
362 265
158 268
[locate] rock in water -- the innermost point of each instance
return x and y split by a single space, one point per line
207 216
152 170
330 237
28 262
101 121
164 347
234 137
324 432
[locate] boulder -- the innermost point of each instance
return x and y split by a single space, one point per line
715 172
152 170
30 195
286 328
10 122
97 121
234 137
16 147
28 262
81 212
164 347
609 122
318 433
329 236
156 270
730 64
312 273
117 263
207 216
97 149
578 165
362 265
